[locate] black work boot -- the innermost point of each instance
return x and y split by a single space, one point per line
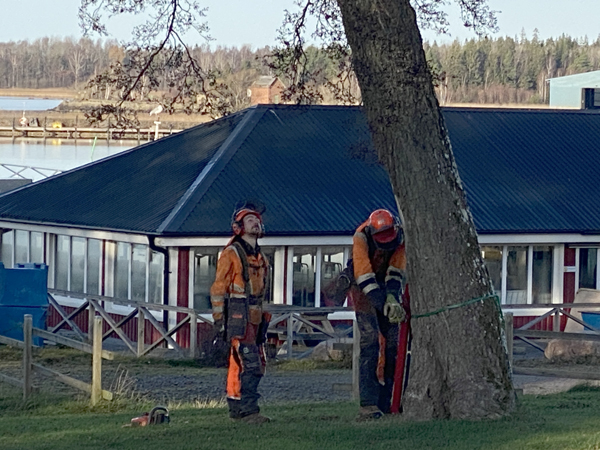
368 413
253 419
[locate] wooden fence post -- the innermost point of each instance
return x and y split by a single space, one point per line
193 333
97 362
27 355
141 332
556 320
509 331
91 316
290 335
355 360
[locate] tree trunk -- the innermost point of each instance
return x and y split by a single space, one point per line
459 366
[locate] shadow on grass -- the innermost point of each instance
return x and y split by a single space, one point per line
561 421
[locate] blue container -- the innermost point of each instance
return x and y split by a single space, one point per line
591 318
11 321
25 285
23 290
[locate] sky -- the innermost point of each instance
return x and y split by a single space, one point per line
254 22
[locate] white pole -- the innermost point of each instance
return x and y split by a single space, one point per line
156 123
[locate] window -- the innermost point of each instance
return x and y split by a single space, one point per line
521 274
21 246
332 263
138 273
205 269
303 282
94 256
542 274
139 257
77 264
588 267
269 253
63 251
516 275
36 247
492 257
155 277
122 270
590 98
7 249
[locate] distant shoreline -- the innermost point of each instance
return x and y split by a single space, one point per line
57 93
72 111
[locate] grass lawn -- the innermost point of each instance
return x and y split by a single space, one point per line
563 421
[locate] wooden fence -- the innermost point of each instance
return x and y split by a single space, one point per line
290 324
29 367
95 304
532 337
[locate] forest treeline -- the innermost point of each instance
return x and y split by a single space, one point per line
502 70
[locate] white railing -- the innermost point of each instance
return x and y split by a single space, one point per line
19 172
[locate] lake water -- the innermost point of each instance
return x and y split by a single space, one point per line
54 154
28 104
49 153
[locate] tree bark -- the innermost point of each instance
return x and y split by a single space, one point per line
459 366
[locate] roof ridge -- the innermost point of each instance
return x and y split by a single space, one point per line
209 173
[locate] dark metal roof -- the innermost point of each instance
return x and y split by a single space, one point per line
314 167
529 171
306 166
132 191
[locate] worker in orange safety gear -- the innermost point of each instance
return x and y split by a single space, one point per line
237 296
379 260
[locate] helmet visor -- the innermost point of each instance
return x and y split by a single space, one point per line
385 236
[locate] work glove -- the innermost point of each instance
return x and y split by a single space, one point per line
393 310
217 353
261 335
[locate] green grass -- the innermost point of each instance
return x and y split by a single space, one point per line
564 421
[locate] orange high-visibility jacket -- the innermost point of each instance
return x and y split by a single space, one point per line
229 280
377 269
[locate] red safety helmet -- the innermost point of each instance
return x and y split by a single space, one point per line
383 226
244 208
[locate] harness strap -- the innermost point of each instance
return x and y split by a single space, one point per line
244 259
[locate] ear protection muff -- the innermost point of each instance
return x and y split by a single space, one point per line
237 228
243 208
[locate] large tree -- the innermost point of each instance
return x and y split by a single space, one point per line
459 366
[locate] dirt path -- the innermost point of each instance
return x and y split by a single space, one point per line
184 381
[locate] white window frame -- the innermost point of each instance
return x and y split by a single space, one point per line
577 265
557 269
100 263
12 254
55 263
129 249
